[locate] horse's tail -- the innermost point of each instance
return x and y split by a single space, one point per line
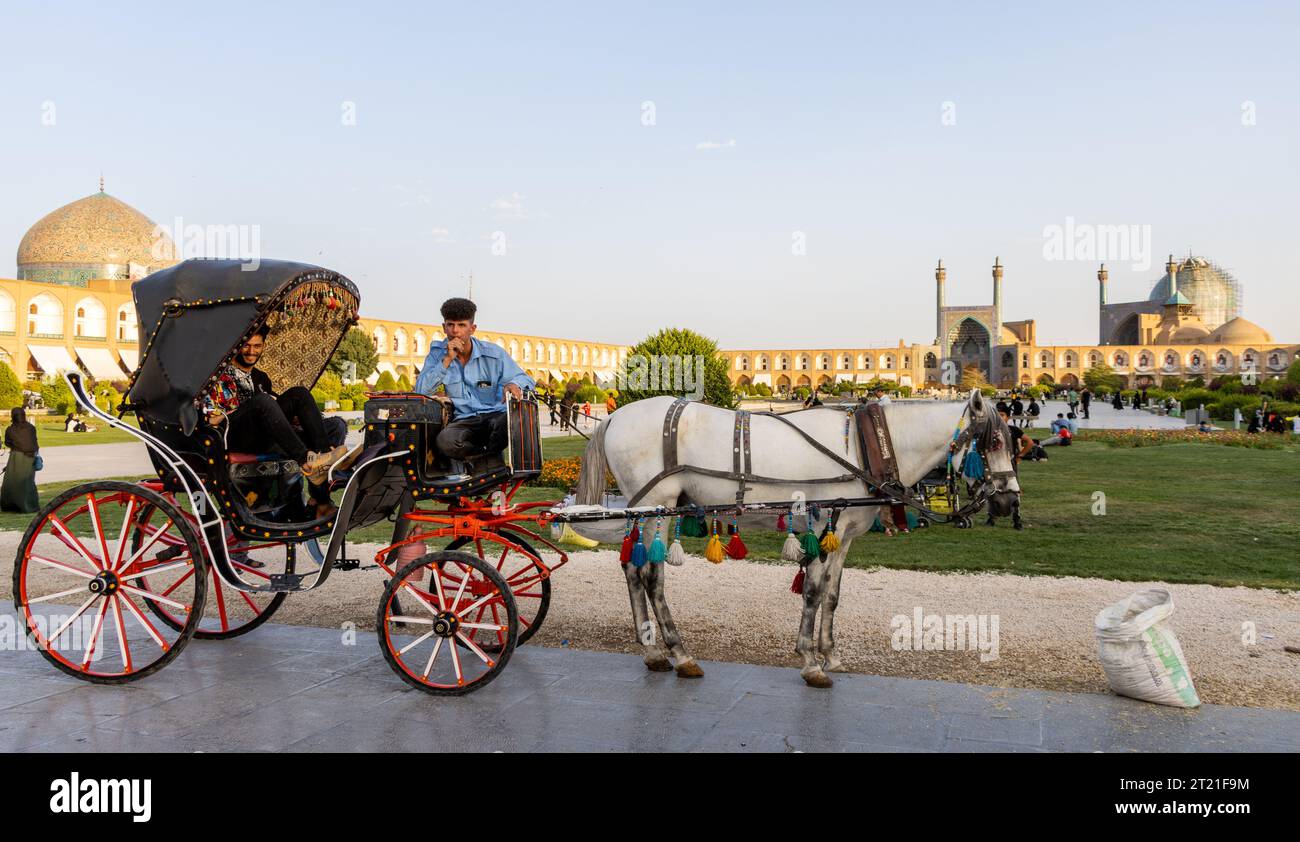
591 481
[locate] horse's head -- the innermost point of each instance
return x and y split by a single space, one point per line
993 438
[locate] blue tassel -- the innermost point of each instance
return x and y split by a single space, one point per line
658 552
974 467
638 554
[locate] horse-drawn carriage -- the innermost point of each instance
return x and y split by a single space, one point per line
114 578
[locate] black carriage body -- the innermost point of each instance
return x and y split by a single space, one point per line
192 319
409 423
194 316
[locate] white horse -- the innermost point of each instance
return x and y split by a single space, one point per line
631 445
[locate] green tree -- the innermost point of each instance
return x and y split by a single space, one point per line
11 389
386 383
357 348
973 378
1101 378
403 384
1293 372
683 347
57 395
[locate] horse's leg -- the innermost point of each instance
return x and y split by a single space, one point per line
831 599
814 586
653 575
642 626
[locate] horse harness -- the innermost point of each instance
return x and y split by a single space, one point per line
874 441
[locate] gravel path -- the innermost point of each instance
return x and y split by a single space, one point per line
744 611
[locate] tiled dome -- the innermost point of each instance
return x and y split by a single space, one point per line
95 237
1210 289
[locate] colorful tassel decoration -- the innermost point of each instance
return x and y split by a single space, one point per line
780 522
797 585
829 543
812 548
625 551
713 550
676 553
974 465
791 550
638 546
693 527
658 551
736 547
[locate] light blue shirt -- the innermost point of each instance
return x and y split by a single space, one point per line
477 386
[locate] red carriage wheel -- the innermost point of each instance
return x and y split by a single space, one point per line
529 581
230 612
429 643
81 589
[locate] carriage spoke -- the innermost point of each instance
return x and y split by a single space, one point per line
464 580
253 605
68 592
71 542
455 662
433 657
420 621
501 638
221 600
94 634
146 547
72 619
99 529
485 626
121 537
121 634
163 568
144 621
416 593
436 573
180 581
238 565
414 643
155 597
473 647
61 566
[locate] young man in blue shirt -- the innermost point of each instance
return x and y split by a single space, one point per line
476 376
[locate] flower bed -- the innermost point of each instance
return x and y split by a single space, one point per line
564 473
1152 438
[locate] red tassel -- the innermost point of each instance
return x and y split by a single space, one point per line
797 585
780 523
625 552
736 548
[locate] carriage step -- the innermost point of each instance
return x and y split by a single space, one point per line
286 581
353 564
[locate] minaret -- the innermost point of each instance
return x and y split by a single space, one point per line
997 300
940 276
1172 269
1102 276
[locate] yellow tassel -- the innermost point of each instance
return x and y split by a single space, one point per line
830 543
713 550
568 536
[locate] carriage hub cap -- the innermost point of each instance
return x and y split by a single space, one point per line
104 583
445 624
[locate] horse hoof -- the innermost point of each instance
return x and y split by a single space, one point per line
658 665
816 678
689 669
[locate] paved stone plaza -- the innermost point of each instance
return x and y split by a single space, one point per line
298 689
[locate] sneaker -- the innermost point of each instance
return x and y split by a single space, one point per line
318 465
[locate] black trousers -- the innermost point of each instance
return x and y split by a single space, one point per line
264 423
474 435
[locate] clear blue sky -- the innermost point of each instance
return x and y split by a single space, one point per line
527 119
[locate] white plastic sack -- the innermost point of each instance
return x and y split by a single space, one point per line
1140 653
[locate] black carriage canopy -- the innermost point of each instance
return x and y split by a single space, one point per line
194 316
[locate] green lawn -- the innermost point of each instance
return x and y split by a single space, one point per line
1176 513
49 431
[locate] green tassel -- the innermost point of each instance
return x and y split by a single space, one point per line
657 552
812 548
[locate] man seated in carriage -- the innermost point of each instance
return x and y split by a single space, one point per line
261 420
476 376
